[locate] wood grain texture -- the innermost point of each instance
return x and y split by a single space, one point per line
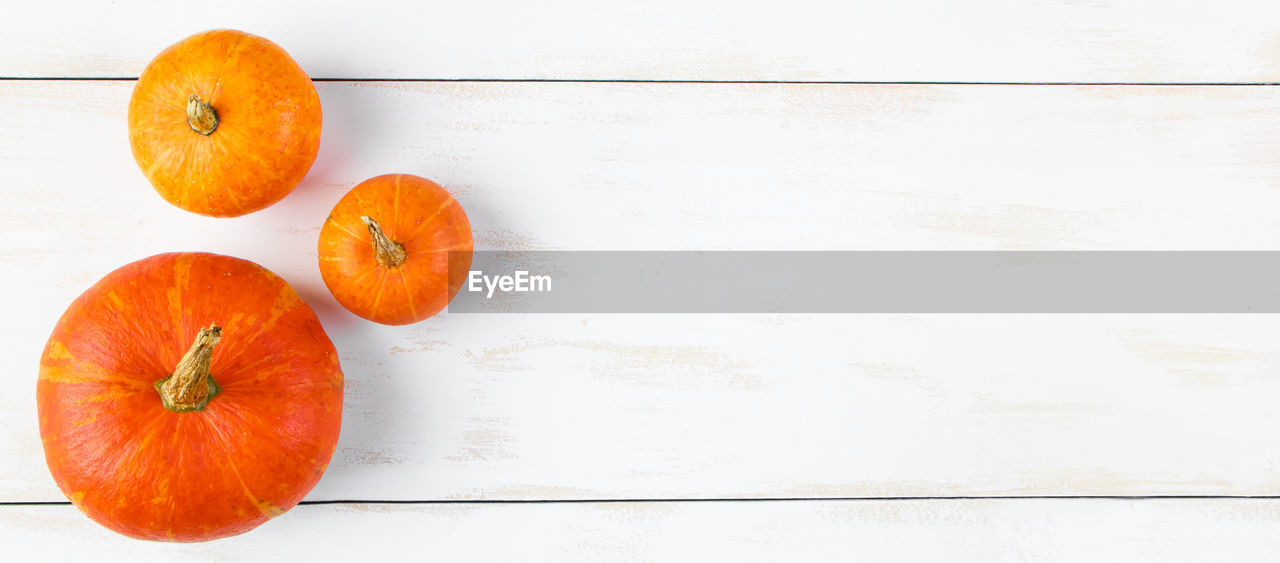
969 530
804 40
675 406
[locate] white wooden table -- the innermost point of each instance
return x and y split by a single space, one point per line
669 125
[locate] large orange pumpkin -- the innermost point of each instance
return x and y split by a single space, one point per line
188 397
224 123
395 249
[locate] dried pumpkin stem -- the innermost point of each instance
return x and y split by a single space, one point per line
201 116
390 253
190 387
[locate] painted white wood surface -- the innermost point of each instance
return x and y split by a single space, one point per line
969 530
801 40
680 406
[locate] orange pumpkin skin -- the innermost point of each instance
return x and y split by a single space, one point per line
148 472
267 132
415 213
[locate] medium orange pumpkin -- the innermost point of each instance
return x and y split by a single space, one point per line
188 397
224 123
395 249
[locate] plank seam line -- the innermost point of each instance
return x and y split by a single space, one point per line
655 81
756 499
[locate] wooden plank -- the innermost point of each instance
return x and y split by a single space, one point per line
806 40
675 406
968 530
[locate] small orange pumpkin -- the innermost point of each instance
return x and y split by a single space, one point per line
224 123
395 249
188 397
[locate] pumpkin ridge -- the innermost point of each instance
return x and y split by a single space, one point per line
243 391
75 375
142 436
233 378
382 284
173 508
395 203
249 379
232 56
408 293
339 226
95 339
362 275
287 300
159 160
218 152
60 365
430 251
431 219
266 508
189 157
181 281
111 395
71 367
95 440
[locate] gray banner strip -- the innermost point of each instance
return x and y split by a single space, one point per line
871 282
